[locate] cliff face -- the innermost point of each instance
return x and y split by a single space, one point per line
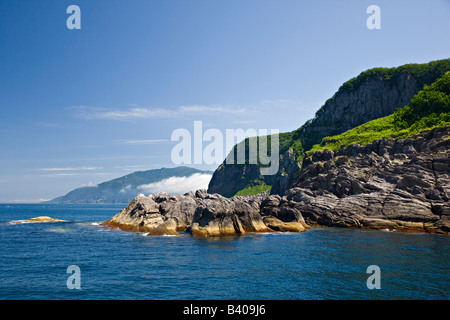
373 94
374 98
229 179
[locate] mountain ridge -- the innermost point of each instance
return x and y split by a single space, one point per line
123 189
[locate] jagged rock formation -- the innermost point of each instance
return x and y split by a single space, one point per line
202 215
160 214
393 184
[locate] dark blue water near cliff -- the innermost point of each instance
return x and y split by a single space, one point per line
322 263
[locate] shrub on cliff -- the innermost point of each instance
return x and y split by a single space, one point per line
433 101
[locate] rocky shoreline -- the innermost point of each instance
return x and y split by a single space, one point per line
398 184
207 215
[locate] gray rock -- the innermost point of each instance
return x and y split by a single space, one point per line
205 215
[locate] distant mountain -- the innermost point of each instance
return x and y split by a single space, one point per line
124 189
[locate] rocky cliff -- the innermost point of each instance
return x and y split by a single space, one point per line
373 94
387 184
397 184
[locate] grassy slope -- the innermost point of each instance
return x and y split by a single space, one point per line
253 190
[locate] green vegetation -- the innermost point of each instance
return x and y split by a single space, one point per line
254 190
425 73
428 109
427 105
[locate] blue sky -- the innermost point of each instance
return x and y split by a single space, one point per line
79 107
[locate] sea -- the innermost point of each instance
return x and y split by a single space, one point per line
37 262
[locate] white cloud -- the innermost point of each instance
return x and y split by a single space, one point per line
133 113
123 190
72 169
29 200
178 185
139 142
89 184
209 109
60 174
90 113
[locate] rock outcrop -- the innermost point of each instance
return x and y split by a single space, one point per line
157 214
37 220
388 184
207 215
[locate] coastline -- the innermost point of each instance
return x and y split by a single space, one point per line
397 184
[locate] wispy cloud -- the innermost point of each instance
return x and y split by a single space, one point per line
178 185
139 142
135 113
72 169
89 184
61 174
29 200
213 109
92 113
124 190
138 167
80 174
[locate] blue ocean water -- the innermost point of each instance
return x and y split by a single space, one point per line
322 263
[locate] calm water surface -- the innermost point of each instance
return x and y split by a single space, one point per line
322 263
